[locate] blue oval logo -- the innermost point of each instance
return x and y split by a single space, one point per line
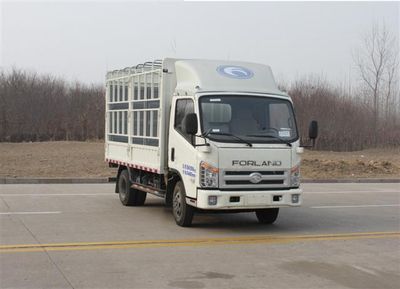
237 72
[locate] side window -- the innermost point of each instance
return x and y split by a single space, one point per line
183 108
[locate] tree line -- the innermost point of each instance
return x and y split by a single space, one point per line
45 108
37 107
346 120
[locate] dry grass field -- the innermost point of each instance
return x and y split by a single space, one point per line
86 159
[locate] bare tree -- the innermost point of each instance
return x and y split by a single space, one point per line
37 107
392 82
377 63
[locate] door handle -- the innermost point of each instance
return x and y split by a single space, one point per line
172 154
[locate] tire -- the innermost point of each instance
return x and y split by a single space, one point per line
267 216
127 195
183 213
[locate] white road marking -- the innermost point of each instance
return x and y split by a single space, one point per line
111 193
366 270
354 192
29 213
354 206
49 195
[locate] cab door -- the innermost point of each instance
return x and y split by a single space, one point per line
182 155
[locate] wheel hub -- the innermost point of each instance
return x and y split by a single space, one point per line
122 189
177 205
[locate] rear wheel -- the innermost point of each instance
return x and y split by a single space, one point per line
127 195
183 213
267 216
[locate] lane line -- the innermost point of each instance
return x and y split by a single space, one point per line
265 239
354 206
111 194
29 213
355 192
56 194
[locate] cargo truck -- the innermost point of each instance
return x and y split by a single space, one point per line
205 135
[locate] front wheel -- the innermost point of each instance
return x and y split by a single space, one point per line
183 213
267 216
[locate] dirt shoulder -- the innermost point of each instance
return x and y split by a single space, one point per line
374 163
86 159
53 159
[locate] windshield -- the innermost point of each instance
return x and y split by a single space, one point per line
255 119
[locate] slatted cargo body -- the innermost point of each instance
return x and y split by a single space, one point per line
134 112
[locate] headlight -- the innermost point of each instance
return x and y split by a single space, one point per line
295 176
208 175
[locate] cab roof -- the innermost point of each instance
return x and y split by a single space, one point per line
195 75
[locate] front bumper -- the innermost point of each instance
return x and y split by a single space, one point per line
231 200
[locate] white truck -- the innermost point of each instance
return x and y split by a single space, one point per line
204 135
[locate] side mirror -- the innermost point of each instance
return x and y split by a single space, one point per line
190 124
313 131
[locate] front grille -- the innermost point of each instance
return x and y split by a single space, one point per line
243 179
267 173
265 182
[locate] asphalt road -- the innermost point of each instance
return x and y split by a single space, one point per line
80 236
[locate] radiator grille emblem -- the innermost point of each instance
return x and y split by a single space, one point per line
255 178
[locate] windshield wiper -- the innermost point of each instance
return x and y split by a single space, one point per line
228 134
271 136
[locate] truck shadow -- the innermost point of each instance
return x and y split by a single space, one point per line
290 220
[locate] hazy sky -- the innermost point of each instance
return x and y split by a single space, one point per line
82 40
